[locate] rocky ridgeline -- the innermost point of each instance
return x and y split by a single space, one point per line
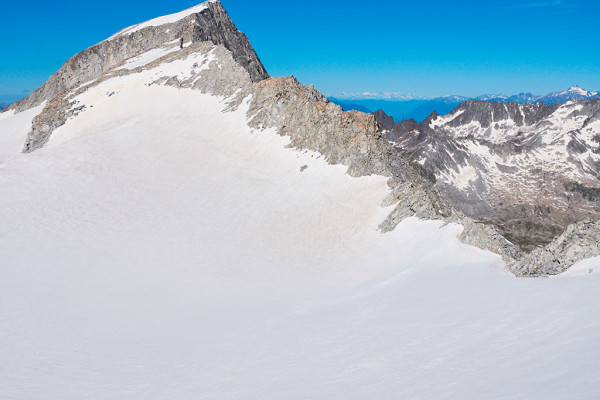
235 74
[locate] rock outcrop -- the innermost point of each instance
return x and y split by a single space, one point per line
579 241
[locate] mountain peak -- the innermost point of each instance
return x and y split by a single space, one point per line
573 93
577 89
207 21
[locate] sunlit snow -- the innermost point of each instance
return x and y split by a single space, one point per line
157 248
166 19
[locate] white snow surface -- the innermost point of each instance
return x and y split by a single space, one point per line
157 248
578 90
165 19
465 175
151 55
584 267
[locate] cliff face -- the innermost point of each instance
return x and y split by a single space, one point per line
206 22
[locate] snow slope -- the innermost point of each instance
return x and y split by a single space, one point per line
170 252
150 56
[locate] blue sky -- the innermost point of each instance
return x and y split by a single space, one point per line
404 48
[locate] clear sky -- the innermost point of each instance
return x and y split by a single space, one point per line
421 48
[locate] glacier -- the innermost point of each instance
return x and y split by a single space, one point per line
159 246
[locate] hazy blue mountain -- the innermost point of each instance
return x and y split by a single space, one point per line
441 105
403 109
399 109
492 97
421 109
523 98
351 106
572 93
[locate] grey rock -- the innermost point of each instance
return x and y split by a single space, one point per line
385 122
579 241
487 237
312 122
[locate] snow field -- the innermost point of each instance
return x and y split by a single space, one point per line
166 19
158 248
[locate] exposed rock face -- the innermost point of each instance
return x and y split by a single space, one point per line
226 66
385 122
577 242
487 237
530 170
312 122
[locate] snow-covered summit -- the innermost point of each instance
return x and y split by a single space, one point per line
166 19
578 90
453 98
573 93
492 97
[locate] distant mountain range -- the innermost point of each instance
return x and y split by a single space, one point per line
421 109
573 93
